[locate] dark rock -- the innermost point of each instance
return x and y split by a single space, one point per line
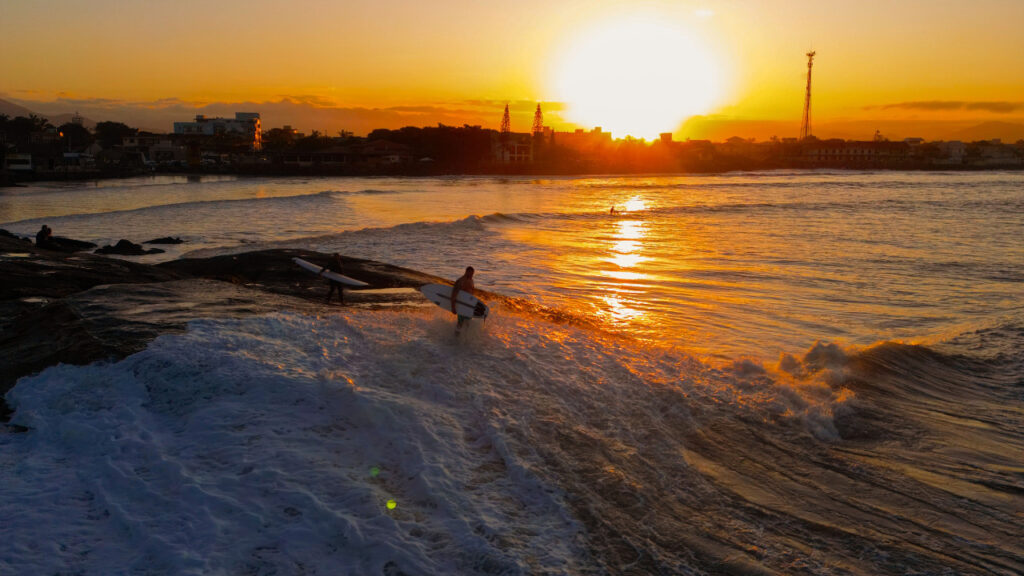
126 248
32 272
274 271
80 308
165 240
6 234
115 321
61 244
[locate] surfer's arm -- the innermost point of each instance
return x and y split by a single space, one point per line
455 292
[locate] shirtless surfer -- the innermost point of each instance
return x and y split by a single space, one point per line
464 284
335 267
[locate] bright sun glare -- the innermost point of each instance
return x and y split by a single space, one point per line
636 76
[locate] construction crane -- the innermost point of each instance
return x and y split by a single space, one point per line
805 125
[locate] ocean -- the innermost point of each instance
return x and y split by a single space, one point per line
751 373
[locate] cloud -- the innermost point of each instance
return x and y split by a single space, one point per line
310 99
515 104
104 103
994 107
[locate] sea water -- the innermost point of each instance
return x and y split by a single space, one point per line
788 372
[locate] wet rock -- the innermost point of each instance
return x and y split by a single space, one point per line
6 234
126 248
165 240
62 244
80 308
274 271
32 272
55 243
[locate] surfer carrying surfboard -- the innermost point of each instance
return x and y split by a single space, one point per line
335 285
463 284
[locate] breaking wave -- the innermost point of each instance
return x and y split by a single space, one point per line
377 442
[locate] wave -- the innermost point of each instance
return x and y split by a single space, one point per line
367 192
892 205
167 180
797 179
275 202
413 232
376 441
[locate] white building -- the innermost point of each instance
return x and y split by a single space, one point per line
244 124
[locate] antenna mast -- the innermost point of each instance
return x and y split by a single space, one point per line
538 121
805 125
506 124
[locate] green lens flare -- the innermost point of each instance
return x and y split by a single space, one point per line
374 472
392 504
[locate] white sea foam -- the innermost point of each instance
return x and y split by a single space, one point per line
275 443
256 443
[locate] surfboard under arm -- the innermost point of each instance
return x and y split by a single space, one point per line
465 303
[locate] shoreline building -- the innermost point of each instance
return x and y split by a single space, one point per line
245 125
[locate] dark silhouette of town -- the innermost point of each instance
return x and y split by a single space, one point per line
31 148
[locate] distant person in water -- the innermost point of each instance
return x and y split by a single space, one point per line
335 267
612 211
463 284
45 236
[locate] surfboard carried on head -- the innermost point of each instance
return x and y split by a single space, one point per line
465 303
329 274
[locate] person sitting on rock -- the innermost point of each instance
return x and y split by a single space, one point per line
44 237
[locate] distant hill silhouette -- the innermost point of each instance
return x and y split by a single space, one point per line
304 115
720 128
299 113
1006 131
13 110
58 119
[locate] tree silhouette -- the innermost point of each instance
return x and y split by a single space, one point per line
112 134
75 136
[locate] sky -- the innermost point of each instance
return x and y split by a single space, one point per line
700 68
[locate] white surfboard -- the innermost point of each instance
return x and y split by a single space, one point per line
329 274
465 303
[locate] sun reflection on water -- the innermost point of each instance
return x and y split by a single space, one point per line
625 253
619 309
626 260
634 204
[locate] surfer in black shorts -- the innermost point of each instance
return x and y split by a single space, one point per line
335 267
464 284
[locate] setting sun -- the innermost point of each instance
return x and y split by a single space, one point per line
639 76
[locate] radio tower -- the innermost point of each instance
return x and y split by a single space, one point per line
506 124
805 126
538 121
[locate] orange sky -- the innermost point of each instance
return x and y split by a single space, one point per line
347 64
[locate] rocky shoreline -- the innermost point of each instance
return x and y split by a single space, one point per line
78 308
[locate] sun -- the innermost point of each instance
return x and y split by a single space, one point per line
638 75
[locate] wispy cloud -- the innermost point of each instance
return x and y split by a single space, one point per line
994 107
309 99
